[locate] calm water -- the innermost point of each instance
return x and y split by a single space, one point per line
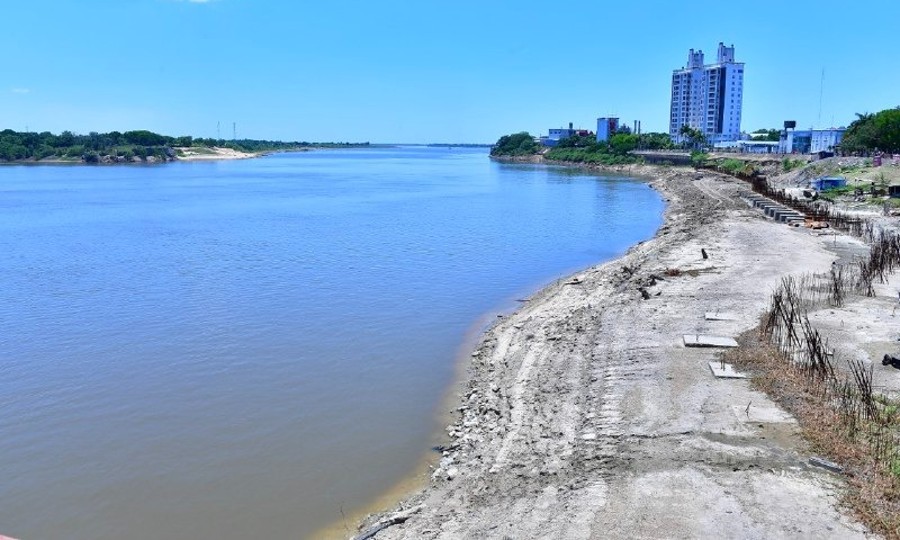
239 349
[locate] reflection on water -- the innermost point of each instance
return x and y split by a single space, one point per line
241 349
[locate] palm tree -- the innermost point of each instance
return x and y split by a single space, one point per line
695 136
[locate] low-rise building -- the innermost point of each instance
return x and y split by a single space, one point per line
557 134
554 135
748 147
758 147
828 182
810 141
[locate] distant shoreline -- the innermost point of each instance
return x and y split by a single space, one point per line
182 154
139 146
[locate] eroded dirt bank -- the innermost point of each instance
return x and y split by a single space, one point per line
585 417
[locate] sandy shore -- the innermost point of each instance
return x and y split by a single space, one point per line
583 416
214 153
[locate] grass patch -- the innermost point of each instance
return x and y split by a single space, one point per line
874 490
735 167
838 191
591 156
202 150
788 164
835 402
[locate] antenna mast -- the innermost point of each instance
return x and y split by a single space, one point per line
821 94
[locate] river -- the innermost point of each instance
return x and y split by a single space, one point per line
247 349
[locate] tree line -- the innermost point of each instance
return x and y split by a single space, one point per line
585 148
126 146
873 133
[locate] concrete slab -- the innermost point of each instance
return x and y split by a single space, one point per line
720 316
726 372
704 340
762 414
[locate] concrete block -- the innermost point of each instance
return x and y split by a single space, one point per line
703 340
726 372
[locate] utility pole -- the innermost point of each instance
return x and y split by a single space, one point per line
234 131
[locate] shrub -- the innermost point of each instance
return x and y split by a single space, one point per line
699 159
790 164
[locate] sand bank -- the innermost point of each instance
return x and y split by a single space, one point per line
213 153
583 415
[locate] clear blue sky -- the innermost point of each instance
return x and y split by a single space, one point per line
424 71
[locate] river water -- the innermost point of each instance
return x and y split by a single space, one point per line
246 349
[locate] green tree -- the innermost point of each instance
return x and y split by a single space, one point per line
517 144
623 143
655 141
694 137
873 132
577 141
65 139
773 135
144 138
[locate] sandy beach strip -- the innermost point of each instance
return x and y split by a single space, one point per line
584 416
214 153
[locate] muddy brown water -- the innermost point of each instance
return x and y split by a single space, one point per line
250 348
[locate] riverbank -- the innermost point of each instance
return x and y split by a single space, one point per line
584 416
195 153
642 170
213 153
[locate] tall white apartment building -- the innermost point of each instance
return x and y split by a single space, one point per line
708 97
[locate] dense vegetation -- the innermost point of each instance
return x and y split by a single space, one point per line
655 141
580 149
138 145
694 138
734 167
874 132
788 165
517 144
588 150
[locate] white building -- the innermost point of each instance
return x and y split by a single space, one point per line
810 141
557 134
708 97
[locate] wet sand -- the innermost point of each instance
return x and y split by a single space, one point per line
584 416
